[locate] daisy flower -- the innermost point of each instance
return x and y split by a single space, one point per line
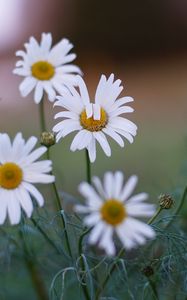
18 172
46 69
111 208
94 121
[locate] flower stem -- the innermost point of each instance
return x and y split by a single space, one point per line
58 201
155 215
88 167
179 207
101 289
42 115
33 271
153 287
84 286
87 230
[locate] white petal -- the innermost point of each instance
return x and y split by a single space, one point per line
89 110
128 188
96 111
92 150
33 156
14 210
3 207
25 201
46 42
117 185
69 69
106 241
34 192
141 228
138 198
18 147
66 124
125 134
124 235
96 181
140 209
83 90
30 144
81 209
38 92
109 131
50 91
5 148
81 140
90 194
27 86
96 232
22 72
100 137
120 111
66 114
65 131
92 219
35 177
108 184
43 166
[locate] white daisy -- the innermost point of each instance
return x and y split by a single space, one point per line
94 121
18 170
46 69
111 209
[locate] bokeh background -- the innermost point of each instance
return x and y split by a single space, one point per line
144 43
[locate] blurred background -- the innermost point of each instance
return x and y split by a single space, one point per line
144 43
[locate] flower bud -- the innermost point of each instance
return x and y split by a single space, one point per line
166 201
148 271
47 139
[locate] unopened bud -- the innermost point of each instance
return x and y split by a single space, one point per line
148 271
166 201
47 139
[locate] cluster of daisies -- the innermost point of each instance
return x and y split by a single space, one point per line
110 207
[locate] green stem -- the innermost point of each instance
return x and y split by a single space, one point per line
88 168
86 294
59 207
179 207
155 215
81 239
153 287
42 115
101 289
33 271
58 202
84 286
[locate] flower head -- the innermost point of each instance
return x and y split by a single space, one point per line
111 208
94 121
46 69
18 170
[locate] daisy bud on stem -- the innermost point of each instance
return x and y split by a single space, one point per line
166 201
148 271
47 139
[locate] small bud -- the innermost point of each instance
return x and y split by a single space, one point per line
166 201
47 139
148 271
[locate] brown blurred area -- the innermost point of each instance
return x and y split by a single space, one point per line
144 43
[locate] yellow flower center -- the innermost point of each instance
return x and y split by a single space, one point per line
42 70
10 176
113 212
91 124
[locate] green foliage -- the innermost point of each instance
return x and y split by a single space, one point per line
66 277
